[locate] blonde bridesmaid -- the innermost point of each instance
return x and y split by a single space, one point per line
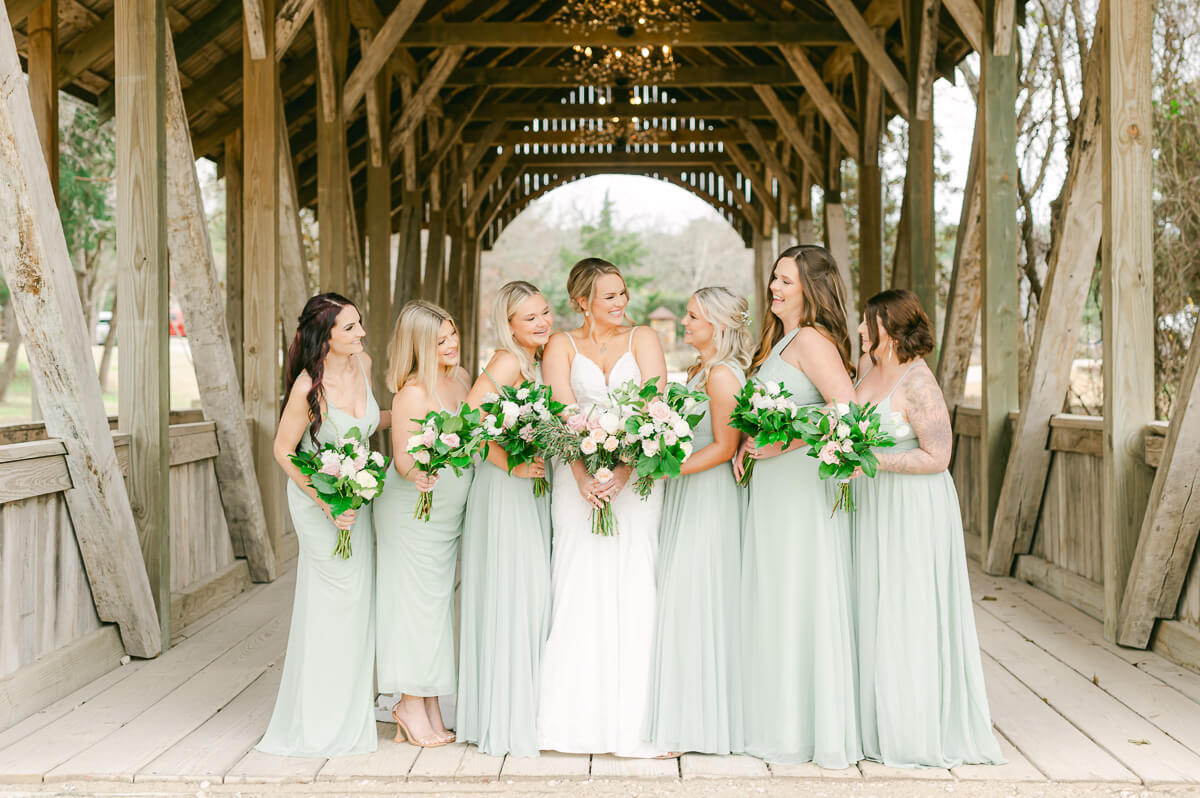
415 595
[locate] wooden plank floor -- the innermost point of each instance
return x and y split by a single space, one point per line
1068 707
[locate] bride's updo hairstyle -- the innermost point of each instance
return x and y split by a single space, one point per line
412 352
824 303
581 282
729 315
900 314
504 306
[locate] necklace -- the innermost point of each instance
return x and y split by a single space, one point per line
603 346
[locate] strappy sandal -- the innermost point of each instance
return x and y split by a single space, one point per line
404 735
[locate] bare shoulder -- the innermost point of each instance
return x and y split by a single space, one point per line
643 335
558 343
722 380
366 360
302 385
920 389
504 367
864 365
411 394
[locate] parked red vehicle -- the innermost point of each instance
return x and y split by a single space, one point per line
175 323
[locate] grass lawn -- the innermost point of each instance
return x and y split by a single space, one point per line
184 393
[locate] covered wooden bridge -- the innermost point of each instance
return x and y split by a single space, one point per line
417 129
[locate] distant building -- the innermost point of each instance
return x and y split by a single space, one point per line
665 323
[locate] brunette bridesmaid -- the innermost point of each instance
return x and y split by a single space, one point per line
506 555
415 596
695 677
324 707
798 661
922 697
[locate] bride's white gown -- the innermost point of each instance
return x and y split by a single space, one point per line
597 660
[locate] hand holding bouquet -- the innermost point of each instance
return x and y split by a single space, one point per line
765 411
346 474
841 436
510 417
660 429
599 439
445 439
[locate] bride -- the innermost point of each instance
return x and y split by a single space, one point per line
597 659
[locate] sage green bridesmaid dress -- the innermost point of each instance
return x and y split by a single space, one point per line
505 612
325 705
415 591
798 667
922 696
695 695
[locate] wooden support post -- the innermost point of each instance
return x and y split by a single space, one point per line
764 260
379 232
233 247
1168 535
261 389
870 184
1001 311
919 183
456 281
837 241
962 301
143 281
288 22
294 288
332 24
1060 314
36 266
43 81
1128 287
806 228
471 262
199 294
408 254
433 276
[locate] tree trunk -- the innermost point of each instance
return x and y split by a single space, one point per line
13 336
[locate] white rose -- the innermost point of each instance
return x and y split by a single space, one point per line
523 394
843 430
682 429
650 448
588 446
421 457
847 445
896 417
366 480
687 449
610 423
782 404
645 431
611 444
843 408
377 459
903 431
415 442
773 388
670 438
491 397
369 494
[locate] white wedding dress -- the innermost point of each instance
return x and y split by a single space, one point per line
596 666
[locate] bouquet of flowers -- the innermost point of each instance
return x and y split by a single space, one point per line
600 438
445 439
346 474
841 436
509 419
660 429
765 411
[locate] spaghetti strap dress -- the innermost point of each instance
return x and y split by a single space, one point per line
505 612
923 702
324 707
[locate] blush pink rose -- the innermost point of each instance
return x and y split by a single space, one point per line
829 453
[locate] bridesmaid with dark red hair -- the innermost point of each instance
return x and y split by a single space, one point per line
326 695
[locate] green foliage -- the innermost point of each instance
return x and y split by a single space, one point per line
86 168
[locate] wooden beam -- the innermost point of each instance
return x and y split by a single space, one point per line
769 159
501 196
873 51
749 212
927 53
970 20
920 184
143 280
20 9
471 160
433 276
255 21
332 25
43 86
194 274
294 289
961 321
261 252
414 111
1001 300
870 184
85 49
37 267
1072 265
1005 27
553 77
408 253
710 109
375 124
786 121
487 182
292 16
234 263
550 34
757 182
379 233
818 92
1127 284
1168 535
374 57
450 136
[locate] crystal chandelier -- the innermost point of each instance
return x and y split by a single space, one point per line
646 65
667 18
619 132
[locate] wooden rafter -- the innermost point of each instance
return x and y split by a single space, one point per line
873 50
549 34
292 16
969 18
254 19
553 77
414 111
757 182
821 97
767 154
380 50
790 129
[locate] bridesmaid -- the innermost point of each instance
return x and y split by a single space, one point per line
324 706
922 701
695 699
505 556
415 596
797 627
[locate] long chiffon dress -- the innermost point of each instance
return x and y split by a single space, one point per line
415 593
695 701
922 696
798 667
505 612
324 705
